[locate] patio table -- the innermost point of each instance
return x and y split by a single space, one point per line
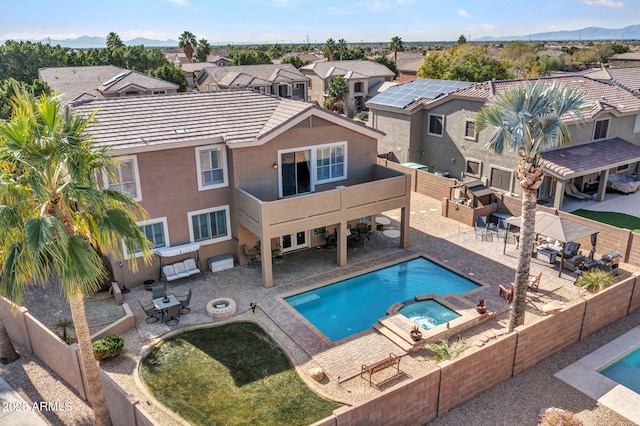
163 304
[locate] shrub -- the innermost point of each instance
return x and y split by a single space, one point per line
595 280
558 417
108 347
444 350
363 115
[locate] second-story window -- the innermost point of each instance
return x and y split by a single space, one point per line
124 177
600 132
470 131
330 163
211 163
436 124
358 87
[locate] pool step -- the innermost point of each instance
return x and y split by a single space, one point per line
397 327
399 341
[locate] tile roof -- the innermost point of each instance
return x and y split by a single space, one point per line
239 118
627 78
348 69
577 160
267 73
604 96
74 83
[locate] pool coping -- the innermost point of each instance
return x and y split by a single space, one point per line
584 376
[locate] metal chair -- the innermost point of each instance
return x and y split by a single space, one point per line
184 303
502 230
173 312
151 312
481 227
158 291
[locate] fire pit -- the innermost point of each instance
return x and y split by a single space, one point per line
221 308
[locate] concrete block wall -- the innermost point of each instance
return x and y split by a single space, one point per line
635 296
633 252
544 338
606 306
13 318
475 371
433 186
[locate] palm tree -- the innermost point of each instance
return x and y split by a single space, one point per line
187 42
396 46
54 217
275 51
204 48
529 119
329 49
114 41
342 47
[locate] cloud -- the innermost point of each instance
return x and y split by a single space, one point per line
463 13
604 3
384 5
179 2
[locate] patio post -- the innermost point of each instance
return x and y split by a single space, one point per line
341 252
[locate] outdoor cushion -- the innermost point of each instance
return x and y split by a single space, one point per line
170 273
180 269
191 266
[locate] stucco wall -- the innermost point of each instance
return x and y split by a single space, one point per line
607 306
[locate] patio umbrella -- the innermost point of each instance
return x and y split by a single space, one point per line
559 228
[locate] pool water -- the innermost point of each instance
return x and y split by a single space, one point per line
626 371
348 307
428 313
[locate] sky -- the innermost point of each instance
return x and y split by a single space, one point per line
298 21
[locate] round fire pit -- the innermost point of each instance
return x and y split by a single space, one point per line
221 308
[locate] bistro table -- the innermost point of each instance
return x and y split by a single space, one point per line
165 305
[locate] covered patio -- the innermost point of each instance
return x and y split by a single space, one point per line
588 163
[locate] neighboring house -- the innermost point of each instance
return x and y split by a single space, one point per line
105 81
221 61
282 80
363 78
193 69
625 60
222 170
398 111
407 64
441 134
627 78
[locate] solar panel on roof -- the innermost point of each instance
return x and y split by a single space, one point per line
402 95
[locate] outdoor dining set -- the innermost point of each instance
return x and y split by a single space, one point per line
166 306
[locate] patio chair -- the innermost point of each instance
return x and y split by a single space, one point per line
571 249
158 291
574 262
502 230
363 231
534 282
507 293
571 191
481 227
253 256
331 239
151 312
184 303
172 312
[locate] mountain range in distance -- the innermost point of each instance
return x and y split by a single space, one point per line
631 32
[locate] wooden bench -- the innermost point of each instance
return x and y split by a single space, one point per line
391 360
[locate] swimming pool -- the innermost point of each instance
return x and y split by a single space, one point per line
428 313
626 371
348 307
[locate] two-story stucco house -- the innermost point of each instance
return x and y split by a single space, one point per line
364 78
282 80
222 170
105 81
440 133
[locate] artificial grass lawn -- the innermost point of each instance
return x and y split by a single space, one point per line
619 220
231 375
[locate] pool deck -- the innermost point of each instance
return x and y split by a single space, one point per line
483 262
584 376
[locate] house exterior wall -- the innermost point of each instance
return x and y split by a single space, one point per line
316 88
403 134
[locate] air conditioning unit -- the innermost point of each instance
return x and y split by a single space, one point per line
457 193
484 180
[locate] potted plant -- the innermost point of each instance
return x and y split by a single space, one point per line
415 333
481 307
595 280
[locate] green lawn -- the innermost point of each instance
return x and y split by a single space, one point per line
619 220
231 375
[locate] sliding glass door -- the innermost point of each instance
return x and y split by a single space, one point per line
295 173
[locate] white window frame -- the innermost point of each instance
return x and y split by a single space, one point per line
473 137
225 179
636 124
227 237
314 160
595 125
440 135
165 232
314 164
134 160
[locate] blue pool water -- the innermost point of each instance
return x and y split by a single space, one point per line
351 306
626 371
428 313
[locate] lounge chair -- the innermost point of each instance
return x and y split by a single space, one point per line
253 256
571 249
571 190
534 282
507 293
481 227
574 262
151 312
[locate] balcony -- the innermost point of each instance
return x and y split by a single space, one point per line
386 189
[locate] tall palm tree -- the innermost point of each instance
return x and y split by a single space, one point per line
329 49
204 48
187 42
342 47
529 119
114 41
55 218
396 46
